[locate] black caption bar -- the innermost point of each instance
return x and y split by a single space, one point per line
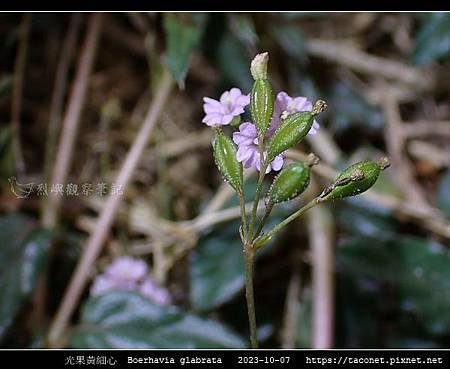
225 358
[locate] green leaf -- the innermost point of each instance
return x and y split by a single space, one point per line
360 217
432 40
5 88
417 269
124 319
183 36
217 268
444 194
351 110
234 63
7 167
22 257
243 28
291 39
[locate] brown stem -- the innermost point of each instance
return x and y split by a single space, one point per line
321 239
72 119
97 238
59 88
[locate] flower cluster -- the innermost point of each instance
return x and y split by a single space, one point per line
129 274
231 105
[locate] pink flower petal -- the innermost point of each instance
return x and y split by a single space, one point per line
277 163
235 93
243 153
226 119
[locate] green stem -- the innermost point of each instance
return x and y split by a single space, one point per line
243 215
263 240
269 208
256 200
249 295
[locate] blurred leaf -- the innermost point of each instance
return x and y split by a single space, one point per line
217 268
352 110
358 305
22 257
360 217
183 36
123 319
444 194
417 269
5 88
243 28
234 63
432 40
292 41
7 168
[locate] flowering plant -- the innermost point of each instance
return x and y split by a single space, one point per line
277 125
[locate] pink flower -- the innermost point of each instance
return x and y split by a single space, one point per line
285 103
151 290
221 113
127 273
248 149
123 273
126 268
102 284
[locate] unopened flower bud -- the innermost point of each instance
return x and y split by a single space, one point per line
258 67
225 158
289 183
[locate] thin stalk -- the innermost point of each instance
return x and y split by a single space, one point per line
249 294
289 219
72 119
256 200
59 88
269 208
243 215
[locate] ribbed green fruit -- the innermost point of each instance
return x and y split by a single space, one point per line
360 176
290 132
262 104
289 183
225 158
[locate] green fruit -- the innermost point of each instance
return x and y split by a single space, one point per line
225 158
289 183
290 132
262 104
354 180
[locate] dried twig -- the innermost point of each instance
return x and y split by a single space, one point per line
425 151
96 240
426 128
72 118
395 144
291 312
321 233
340 52
59 88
